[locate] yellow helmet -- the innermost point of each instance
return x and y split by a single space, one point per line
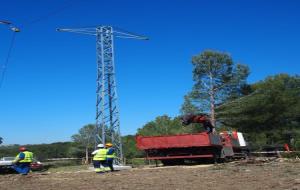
108 144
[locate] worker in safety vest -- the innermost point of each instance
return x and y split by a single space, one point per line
110 155
99 159
22 161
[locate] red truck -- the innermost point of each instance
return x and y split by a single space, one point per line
177 149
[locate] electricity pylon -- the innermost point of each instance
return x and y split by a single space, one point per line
107 112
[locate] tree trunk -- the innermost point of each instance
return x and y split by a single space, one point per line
86 155
212 101
212 110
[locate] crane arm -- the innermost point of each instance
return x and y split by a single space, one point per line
199 118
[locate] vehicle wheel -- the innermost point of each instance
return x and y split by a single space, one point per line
167 162
246 154
216 158
172 162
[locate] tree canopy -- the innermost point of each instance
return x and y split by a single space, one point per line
129 147
216 78
270 114
165 125
85 138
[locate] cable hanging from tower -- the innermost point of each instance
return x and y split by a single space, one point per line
3 67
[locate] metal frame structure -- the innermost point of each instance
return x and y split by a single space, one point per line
107 112
10 26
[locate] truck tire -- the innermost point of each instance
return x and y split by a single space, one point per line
222 157
172 162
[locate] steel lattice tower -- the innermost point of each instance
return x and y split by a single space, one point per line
107 112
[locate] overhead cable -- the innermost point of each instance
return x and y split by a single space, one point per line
5 64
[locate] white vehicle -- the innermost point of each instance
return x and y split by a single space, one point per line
7 161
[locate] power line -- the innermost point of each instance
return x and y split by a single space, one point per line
52 13
15 29
5 64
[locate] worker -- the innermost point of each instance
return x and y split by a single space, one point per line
22 161
110 155
97 149
99 159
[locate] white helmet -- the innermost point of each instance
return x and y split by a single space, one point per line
100 146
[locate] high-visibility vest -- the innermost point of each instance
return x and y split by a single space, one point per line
112 154
28 157
101 154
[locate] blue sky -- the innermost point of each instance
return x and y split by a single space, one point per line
49 89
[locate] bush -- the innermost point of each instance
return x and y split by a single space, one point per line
291 155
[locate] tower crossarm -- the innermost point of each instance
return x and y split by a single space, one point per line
118 33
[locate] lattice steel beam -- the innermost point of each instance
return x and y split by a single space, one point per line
107 112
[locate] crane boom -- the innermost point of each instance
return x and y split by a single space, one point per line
198 118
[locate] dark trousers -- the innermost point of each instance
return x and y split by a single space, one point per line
100 165
96 163
22 168
110 164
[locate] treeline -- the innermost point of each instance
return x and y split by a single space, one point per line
67 149
269 114
43 151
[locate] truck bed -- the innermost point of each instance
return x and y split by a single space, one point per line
198 147
178 141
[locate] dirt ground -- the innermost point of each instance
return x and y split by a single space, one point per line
275 175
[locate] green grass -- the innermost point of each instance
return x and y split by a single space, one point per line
136 162
64 165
